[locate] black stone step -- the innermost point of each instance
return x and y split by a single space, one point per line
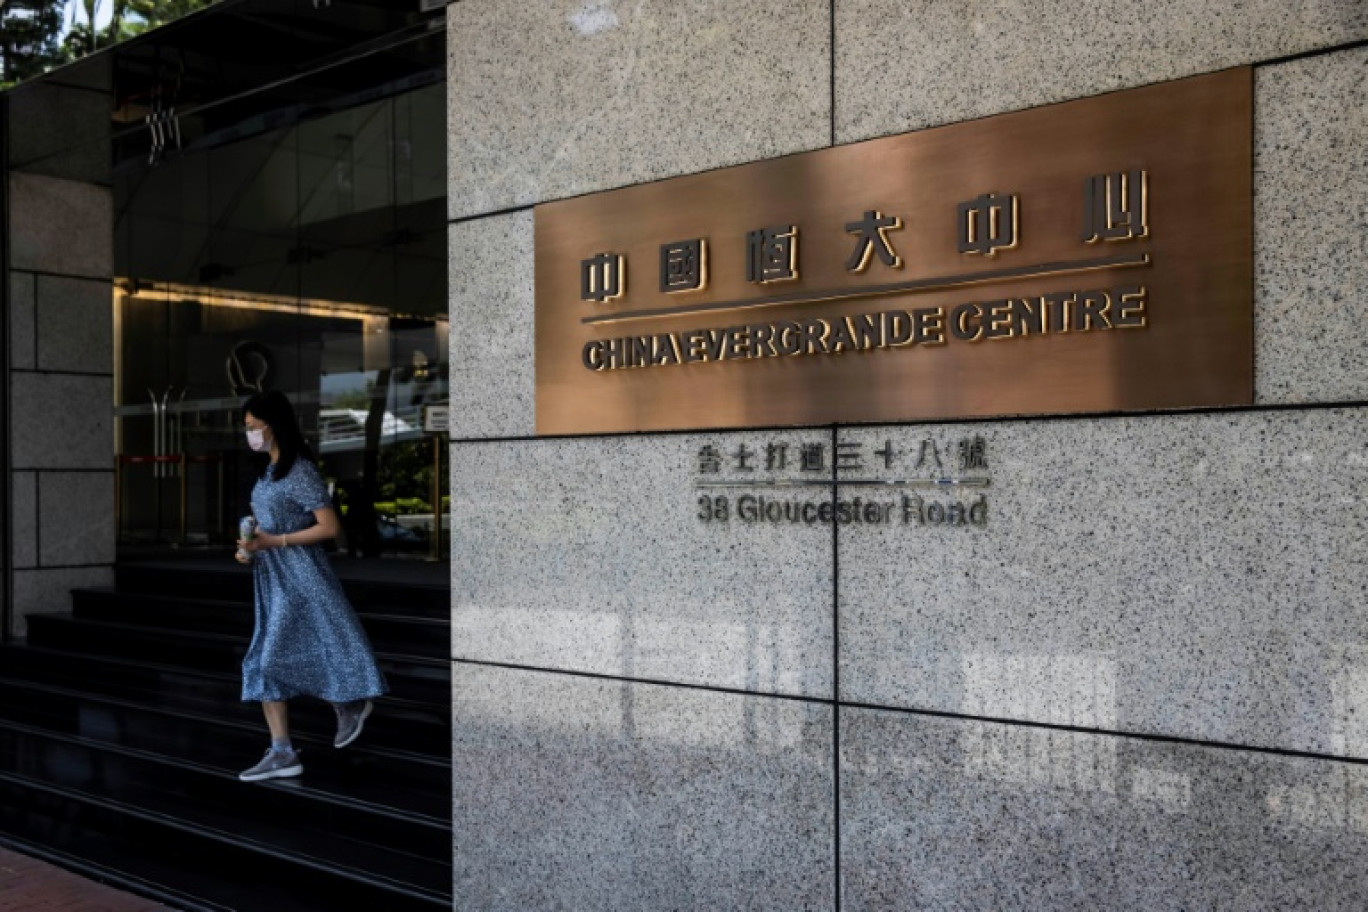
234 582
417 678
231 868
376 844
386 780
423 728
388 632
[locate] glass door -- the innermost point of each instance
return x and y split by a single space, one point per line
309 258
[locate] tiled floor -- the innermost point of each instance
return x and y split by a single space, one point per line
29 885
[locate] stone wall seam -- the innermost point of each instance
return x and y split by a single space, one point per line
925 422
652 682
476 216
1307 55
96 566
1182 555
1157 737
990 817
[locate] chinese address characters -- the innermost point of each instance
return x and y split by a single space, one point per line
747 484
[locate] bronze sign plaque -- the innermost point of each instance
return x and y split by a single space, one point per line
1088 256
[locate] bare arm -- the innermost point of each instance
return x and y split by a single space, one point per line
326 528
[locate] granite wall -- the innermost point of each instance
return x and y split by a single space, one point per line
61 344
1140 680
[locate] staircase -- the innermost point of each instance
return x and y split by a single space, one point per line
122 734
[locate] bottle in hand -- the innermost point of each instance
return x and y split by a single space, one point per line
247 527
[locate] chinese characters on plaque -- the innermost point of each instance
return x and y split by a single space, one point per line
1114 208
1088 256
925 481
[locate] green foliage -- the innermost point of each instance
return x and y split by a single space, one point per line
30 43
406 472
403 506
352 399
148 14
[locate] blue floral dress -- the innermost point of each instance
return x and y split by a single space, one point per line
308 641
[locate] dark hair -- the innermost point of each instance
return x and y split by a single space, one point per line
272 408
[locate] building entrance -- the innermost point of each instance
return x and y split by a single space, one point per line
290 238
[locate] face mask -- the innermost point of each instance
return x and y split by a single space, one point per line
256 439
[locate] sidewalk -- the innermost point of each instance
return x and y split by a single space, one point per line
29 885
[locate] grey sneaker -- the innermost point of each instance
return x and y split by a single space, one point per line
351 718
275 765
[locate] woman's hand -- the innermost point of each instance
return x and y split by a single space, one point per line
262 541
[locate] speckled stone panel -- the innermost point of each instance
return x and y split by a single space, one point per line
22 297
61 421
589 555
61 226
1311 229
61 130
955 814
75 518
576 793
492 327
75 325
907 64
24 503
553 99
38 591
1201 576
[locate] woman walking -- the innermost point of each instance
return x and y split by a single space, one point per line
307 640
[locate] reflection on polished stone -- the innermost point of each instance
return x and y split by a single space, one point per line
944 813
604 565
577 793
1194 576
1061 689
1349 696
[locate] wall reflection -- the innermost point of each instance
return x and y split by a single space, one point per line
1349 696
1060 689
1335 798
755 656
1170 790
1054 689
1022 755
648 715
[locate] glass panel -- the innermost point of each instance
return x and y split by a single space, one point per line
161 234
225 47
310 258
